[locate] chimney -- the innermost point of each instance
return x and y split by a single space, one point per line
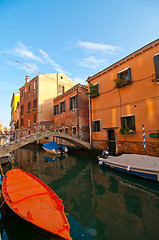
26 79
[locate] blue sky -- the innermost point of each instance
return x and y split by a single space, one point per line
78 38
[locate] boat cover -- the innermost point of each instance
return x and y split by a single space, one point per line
51 145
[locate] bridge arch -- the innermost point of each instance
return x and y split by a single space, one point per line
39 135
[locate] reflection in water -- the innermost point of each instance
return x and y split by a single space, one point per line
102 204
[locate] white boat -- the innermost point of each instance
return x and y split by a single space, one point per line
134 164
54 148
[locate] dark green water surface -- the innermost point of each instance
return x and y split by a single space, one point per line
101 204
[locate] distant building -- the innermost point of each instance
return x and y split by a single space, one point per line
125 97
36 98
14 104
71 112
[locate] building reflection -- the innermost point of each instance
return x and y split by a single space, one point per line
105 203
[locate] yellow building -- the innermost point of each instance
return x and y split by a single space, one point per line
14 103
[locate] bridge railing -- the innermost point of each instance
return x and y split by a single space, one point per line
43 127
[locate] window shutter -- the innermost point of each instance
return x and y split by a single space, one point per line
54 110
76 101
70 103
129 74
64 106
133 123
156 62
94 126
97 89
123 122
60 107
119 75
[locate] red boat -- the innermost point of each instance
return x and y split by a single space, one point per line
36 203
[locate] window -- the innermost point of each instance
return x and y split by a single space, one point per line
62 107
22 93
125 75
56 109
35 85
22 109
34 118
29 106
128 121
156 63
29 89
35 104
60 130
73 102
94 90
74 130
66 130
96 126
22 121
61 89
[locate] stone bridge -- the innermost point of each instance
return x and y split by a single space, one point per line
39 135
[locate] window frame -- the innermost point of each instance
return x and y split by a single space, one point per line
125 81
130 124
56 109
62 107
73 102
95 127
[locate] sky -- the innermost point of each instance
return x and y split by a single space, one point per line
76 37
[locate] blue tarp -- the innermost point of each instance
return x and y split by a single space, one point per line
51 145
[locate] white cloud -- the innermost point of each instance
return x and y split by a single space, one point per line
92 62
35 55
25 52
97 47
80 80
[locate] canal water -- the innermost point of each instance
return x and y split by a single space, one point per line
101 204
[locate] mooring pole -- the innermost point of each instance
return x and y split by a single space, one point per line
143 129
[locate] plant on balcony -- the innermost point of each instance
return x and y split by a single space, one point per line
119 82
125 130
28 111
34 109
92 90
21 113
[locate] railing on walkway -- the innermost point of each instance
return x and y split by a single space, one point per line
37 132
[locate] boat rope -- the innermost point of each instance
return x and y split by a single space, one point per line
2 204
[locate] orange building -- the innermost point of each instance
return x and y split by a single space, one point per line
124 97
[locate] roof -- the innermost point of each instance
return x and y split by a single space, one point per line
132 55
71 90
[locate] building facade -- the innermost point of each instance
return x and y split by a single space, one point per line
71 114
14 104
36 98
124 102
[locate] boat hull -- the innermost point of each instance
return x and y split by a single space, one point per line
36 203
152 175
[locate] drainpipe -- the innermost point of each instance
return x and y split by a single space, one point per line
90 121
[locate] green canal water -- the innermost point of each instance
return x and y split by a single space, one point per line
101 204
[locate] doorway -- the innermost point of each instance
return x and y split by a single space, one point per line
112 141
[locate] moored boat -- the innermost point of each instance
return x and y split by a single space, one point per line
138 165
54 148
36 203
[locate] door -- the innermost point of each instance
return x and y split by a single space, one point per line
111 141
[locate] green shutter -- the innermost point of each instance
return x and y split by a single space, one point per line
94 126
70 103
156 62
60 107
54 110
123 122
129 74
64 106
133 122
97 89
76 103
